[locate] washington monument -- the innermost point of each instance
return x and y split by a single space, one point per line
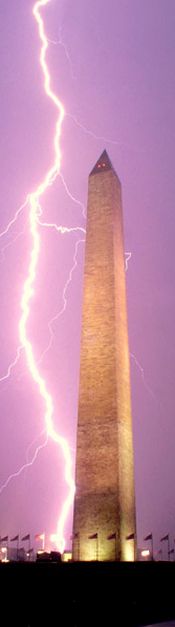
104 506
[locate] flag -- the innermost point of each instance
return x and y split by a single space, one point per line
93 537
131 536
14 539
39 536
112 536
149 537
4 539
27 537
165 538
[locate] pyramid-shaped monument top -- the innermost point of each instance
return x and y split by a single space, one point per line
103 164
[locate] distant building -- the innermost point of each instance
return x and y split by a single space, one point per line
66 556
12 554
48 556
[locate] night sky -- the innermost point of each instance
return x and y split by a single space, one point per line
112 66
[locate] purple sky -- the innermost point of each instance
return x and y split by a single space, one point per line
118 82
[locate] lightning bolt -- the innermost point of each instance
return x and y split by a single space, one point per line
141 370
34 214
14 219
32 444
12 365
61 43
62 230
22 468
35 211
127 259
70 195
63 308
102 138
13 241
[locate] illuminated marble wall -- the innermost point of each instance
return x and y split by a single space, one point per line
104 500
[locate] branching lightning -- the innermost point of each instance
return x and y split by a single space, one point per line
63 308
141 370
102 138
13 241
35 211
88 131
70 195
127 259
12 365
61 43
22 468
31 445
14 219
61 229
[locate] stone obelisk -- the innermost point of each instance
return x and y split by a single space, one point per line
104 506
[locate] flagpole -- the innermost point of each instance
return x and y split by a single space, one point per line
168 547
152 557
150 537
132 536
113 536
97 549
115 547
168 540
94 536
171 551
78 539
